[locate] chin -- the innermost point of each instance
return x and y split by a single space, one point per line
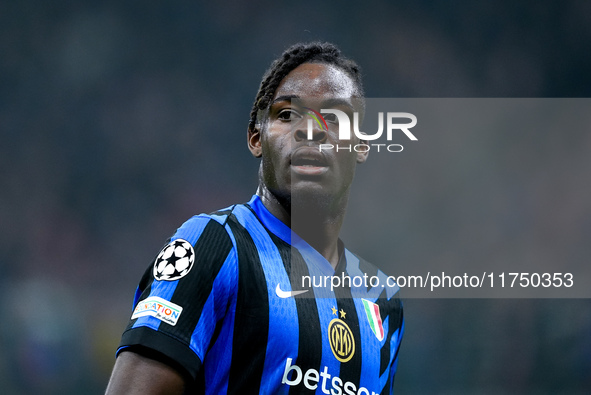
312 201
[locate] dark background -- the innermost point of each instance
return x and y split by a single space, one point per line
121 119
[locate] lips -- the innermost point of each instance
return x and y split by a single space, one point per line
309 161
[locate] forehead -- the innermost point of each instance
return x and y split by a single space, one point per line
317 80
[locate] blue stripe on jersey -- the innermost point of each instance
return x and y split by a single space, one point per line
222 350
394 368
269 220
394 344
216 376
203 333
397 339
191 230
283 321
212 313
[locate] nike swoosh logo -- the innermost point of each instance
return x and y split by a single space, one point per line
283 294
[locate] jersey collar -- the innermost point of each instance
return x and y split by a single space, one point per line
279 229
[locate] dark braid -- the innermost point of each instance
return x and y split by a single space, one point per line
291 58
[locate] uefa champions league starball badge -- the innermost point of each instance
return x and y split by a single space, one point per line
174 261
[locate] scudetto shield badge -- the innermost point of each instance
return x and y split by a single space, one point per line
372 311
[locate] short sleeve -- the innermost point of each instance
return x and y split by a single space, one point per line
184 295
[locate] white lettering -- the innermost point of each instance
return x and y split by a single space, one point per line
336 385
288 368
356 147
378 145
310 130
311 375
372 283
350 388
355 282
314 282
368 137
345 278
325 376
333 284
395 145
401 282
360 147
309 282
344 123
402 126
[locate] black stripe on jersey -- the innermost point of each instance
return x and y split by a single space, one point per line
251 324
310 332
222 213
192 291
389 308
350 370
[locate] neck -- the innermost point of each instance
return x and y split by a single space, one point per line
316 221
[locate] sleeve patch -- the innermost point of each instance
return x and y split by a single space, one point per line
159 308
174 261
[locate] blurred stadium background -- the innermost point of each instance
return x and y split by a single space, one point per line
120 119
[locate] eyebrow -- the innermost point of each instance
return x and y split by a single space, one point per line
284 98
337 102
327 103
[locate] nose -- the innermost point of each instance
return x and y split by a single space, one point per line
311 131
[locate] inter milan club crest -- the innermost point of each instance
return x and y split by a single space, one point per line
372 311
341 338
174 261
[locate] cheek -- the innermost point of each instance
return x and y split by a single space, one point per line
347 164
275 145
274 154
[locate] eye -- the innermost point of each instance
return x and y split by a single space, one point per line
288 115
332 118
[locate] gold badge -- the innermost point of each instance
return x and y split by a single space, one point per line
341 340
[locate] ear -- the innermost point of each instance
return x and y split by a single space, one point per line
362 156
254 141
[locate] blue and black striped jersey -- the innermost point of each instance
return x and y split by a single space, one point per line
242 305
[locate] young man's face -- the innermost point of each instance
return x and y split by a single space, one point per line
293 167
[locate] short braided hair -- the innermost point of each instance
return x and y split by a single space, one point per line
292 57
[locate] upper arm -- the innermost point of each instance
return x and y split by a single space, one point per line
175 318
137 374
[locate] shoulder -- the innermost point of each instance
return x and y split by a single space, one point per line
376 286
201 225
220 223
375 281
203 241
